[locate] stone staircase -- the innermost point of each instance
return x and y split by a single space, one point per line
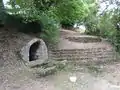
84 55
82 49
83 39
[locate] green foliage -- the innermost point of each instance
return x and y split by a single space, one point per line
37 17
65 11
50 30
116 22
105 25
92 20
109 29
49 14
71 11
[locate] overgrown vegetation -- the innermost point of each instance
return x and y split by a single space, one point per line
70 12
49 15
105 23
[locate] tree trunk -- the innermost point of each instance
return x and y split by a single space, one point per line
2 12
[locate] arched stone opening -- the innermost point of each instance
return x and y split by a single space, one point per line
33 54
35 51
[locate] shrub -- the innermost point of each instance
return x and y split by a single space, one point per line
106 27
71 11
50 30
47 14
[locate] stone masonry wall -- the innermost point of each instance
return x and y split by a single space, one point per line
74 47
83 55
83 39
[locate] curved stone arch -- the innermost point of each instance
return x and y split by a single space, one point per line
40 51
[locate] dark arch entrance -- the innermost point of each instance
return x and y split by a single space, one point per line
33 51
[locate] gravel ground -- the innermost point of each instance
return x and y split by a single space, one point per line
91 77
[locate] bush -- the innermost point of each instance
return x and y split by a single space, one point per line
106 28
46 15
33 27
71 11
50 30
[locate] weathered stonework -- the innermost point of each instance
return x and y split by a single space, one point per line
84 55
82 48
14 49
41 51
84 39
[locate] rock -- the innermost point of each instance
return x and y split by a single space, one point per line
73 79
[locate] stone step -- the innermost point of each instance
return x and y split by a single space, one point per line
70 57
82 52
84 49
84 55
77 37
83 39
57 52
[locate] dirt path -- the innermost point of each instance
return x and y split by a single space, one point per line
91 77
